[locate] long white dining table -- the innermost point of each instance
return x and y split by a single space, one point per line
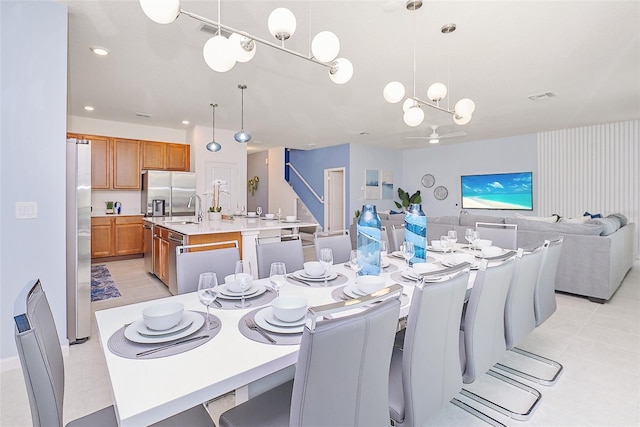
150 390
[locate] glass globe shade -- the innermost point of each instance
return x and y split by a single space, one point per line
393 92
242 136
325 46
282 23
414 116
341 71
465 107
161 11
219 54
408 103
240 45
461 120
437 92
214 146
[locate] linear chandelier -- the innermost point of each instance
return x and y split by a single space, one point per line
394 92
221 53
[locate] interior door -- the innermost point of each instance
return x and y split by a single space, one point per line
334 201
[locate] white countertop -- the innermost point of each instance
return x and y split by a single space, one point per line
97 214
224 225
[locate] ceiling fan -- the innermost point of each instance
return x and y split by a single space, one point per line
435 138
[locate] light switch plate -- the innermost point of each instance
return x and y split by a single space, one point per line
26 210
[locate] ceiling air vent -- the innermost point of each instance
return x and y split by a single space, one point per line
147 115
543 95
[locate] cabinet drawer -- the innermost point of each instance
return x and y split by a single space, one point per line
128 220
101 220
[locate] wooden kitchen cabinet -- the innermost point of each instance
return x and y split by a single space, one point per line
129 236
178 157
101 237
161 253
153 155
126 164
165 156
100 162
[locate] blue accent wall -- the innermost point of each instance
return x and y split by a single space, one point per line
311 165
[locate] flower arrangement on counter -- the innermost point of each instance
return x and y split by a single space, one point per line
219 188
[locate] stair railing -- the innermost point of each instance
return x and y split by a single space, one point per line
304 181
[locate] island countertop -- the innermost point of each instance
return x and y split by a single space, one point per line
189 226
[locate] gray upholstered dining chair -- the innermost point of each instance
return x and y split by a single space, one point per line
397 237
43 368
425 374
287 251
504 236
191 260
341 376
340 245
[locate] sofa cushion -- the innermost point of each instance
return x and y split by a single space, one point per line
579 220
551 219
621 218
560 228
469 220
452 220
610 224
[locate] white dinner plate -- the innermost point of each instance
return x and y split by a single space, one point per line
450 263
259 317
228 292
256 290
431 248
352 291
132 334
272 319
290 222
397 254
411 275
383 264
185 322
300 274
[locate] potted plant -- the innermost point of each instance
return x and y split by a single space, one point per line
406 199
219 188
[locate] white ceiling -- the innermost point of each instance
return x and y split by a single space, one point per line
586 52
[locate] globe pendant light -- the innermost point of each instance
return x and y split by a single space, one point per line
242 135
213 145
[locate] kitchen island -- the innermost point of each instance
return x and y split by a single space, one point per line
164 234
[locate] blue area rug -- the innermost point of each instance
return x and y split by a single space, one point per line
102 284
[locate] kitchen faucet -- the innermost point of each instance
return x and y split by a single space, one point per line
198 206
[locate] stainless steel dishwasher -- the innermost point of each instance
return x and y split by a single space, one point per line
175 240
147 228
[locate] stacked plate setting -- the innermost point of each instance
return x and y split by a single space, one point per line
292 311
303 275
255 290
139 331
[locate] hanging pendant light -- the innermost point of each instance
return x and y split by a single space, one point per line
242 135
213 145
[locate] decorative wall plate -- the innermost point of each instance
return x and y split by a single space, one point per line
428 180
440 192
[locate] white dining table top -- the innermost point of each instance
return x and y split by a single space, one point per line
149 390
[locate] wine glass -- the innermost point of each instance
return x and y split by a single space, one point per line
278 276
468 234
259 211
207 293
444 243
279 213
475 236
244 278
408 251
326 259
453 238
355 262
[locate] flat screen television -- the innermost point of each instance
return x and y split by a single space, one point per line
504 191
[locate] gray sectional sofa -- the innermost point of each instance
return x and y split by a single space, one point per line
595 255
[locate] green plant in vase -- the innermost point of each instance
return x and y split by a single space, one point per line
406 199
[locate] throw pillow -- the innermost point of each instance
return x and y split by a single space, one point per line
468 220
550 219
592 215
609 224
450 220
621 218
580 220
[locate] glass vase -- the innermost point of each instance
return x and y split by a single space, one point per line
415 230
369 235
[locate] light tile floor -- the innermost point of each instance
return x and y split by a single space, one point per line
599 346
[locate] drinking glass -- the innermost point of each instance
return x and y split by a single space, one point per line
259 211
408 251
468 234
453 238
326 259
279 213
355 261
207 294
384 248
444 243
244 278
278 276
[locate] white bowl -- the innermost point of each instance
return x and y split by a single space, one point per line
313 268
460 258
237 213
423 267
232 284
435 244
251 214
369 284
269 216
482 243
160 317
290 218
289 308
490 251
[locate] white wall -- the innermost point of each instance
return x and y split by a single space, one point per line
33 83
447 162
281 195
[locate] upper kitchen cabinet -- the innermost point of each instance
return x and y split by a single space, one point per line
100 162
126 164
165 156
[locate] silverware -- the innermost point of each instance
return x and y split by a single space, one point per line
298 280
217 303
173 344
251 324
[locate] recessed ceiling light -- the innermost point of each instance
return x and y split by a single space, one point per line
88 108
100 51
185 122
311 145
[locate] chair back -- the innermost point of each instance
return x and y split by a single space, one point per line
431 374
519 317
544 302
397 237
483 322
504 236
287 251
40 355
340 246
349 386
190 263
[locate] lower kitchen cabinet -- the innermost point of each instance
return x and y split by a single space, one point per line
116 236
101 237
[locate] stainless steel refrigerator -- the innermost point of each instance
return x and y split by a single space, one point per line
172 188
78 240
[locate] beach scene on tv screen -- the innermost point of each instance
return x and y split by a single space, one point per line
497 191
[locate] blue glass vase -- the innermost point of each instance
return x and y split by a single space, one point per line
369 234
415 230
